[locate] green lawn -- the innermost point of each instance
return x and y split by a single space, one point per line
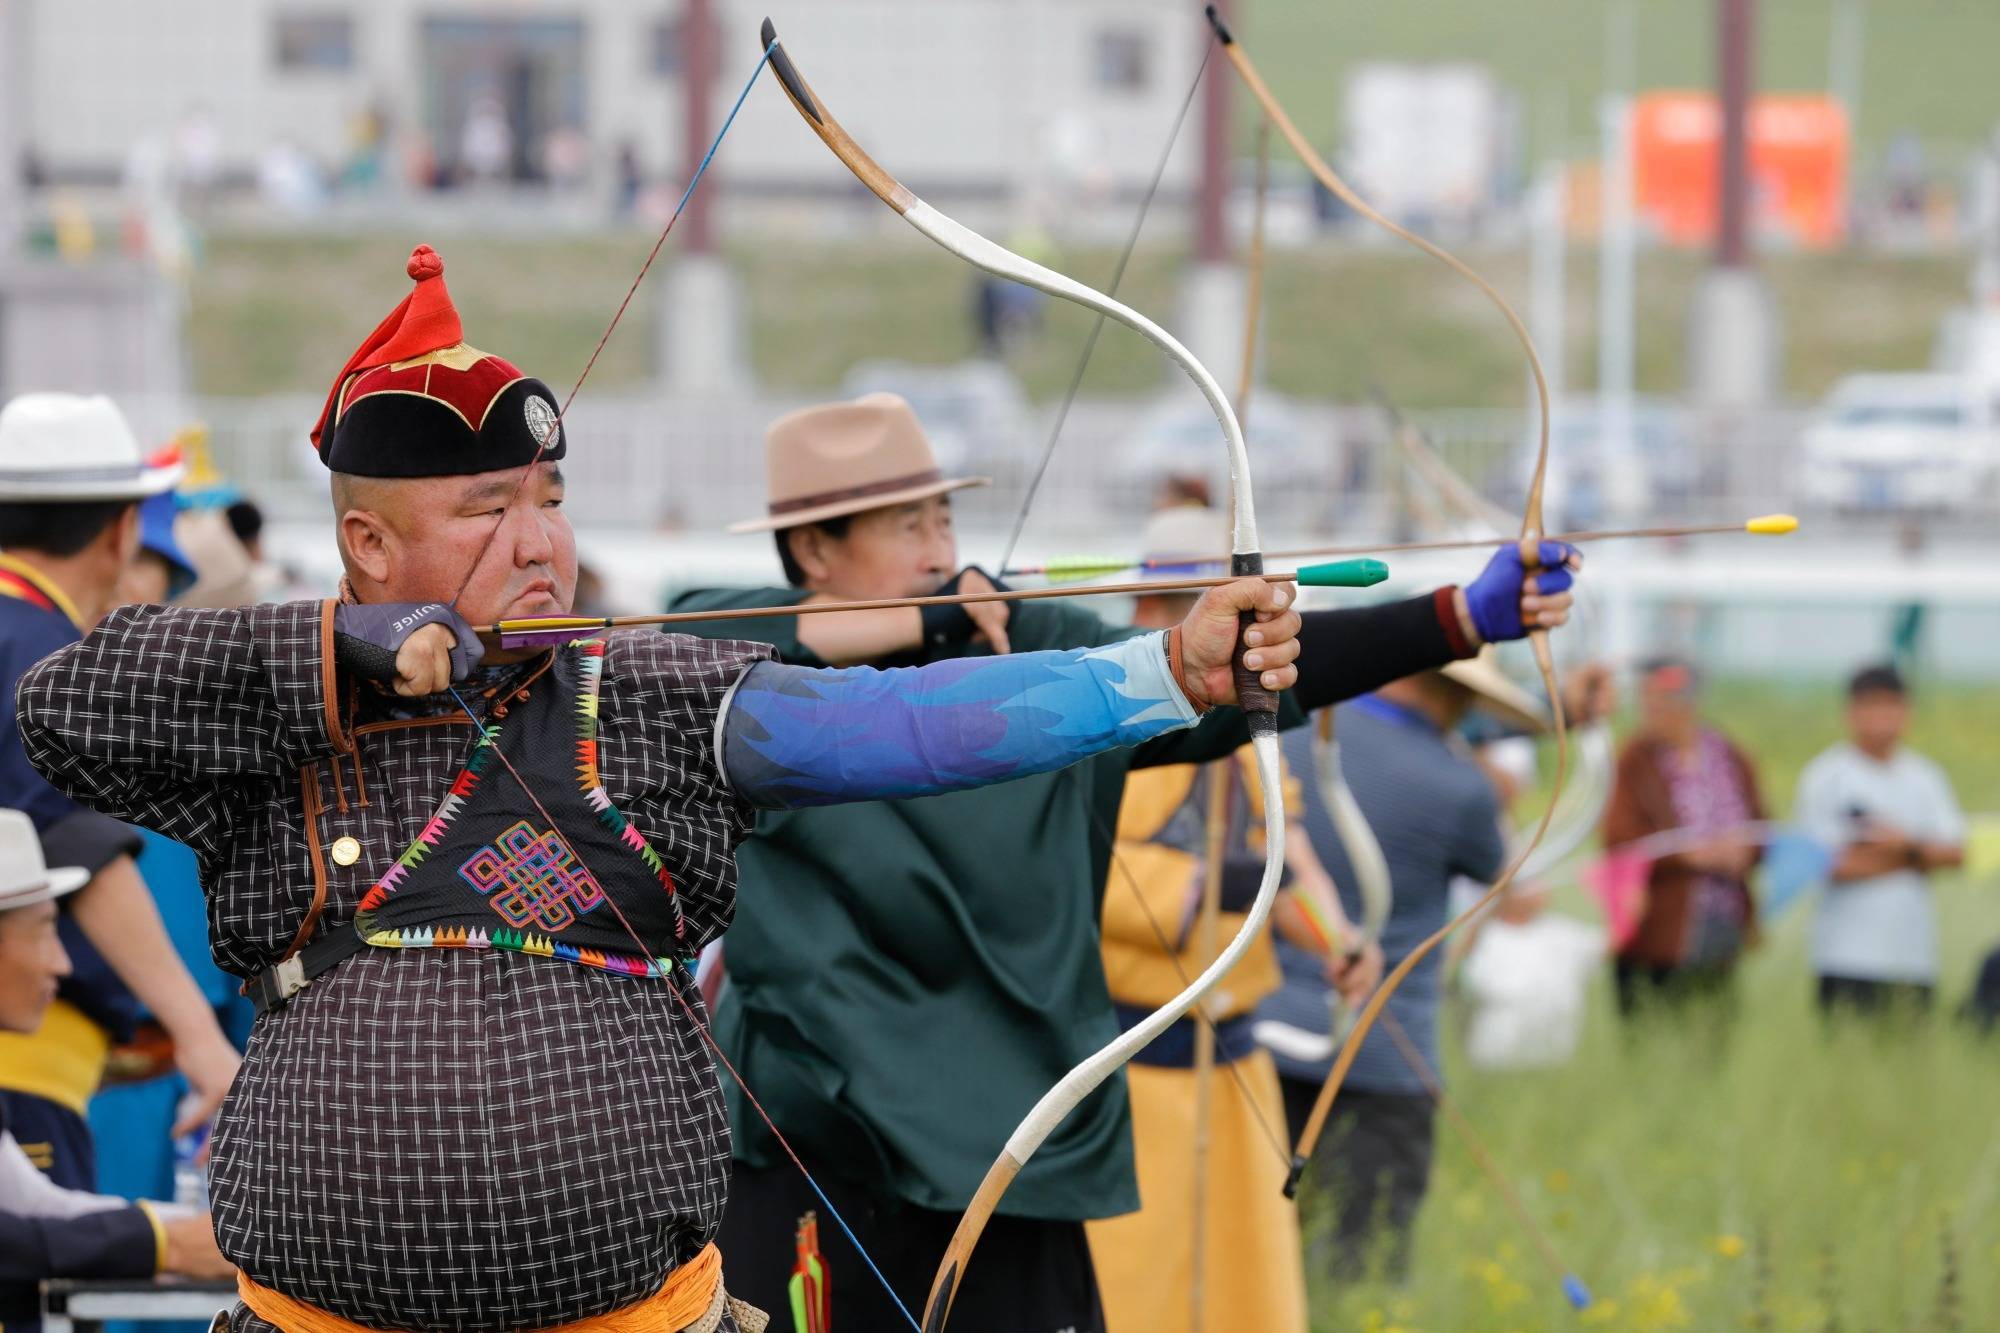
1926 64
1773 1176
282 313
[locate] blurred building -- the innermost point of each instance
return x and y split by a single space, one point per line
1009 98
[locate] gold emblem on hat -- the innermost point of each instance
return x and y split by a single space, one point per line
346 851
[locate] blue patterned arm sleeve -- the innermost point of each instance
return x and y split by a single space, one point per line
792 736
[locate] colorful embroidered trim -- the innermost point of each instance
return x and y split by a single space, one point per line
591 662
524 863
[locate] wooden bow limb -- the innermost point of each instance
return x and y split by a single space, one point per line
1532 532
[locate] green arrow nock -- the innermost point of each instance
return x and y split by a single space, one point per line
1343 574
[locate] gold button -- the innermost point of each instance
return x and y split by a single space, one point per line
346 851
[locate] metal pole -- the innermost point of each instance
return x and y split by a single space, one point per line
1547 260
1616 259
1211 222
1735 38
698 77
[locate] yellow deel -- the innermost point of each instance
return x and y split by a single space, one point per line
1256 1275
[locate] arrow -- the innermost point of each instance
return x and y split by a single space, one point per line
542 630
1065 569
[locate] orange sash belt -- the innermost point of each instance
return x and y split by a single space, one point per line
688 1293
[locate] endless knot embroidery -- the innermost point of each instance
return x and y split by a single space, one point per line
531 879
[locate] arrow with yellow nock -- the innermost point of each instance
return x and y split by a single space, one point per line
1073 568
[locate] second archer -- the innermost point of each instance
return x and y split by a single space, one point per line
908 976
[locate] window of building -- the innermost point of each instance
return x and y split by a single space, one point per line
669 47
1122 60
315 41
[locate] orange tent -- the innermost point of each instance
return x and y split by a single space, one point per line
1798 165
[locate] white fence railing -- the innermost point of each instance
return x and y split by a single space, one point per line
660 463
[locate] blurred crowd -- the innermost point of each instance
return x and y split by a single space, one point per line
1693 867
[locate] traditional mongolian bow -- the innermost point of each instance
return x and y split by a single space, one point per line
1259 705
1070 568
1583 805
1531 534
1364 851
1578 818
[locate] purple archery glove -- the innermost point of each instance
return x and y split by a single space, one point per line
1494 598
366 637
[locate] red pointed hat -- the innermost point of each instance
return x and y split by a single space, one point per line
415 401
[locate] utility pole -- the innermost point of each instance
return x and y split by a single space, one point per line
1616 259
704 337
1733 329
1214 293
698 120
1733 78
1211 221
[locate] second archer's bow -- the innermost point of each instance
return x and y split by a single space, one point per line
1590 788
1531 535
1364 851
1260 705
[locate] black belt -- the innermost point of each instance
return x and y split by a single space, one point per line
275 985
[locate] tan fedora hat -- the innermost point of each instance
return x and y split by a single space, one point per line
842 458
1497 694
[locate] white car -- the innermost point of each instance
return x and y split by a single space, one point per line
1888 443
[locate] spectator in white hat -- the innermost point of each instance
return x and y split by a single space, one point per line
47 1231
72 477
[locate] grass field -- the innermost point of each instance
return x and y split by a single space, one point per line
1925 68
1773 1175
280 313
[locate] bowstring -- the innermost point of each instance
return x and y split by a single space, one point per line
554 430
1097 327
527 469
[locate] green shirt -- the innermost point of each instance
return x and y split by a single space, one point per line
906 978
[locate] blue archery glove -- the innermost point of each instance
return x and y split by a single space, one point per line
1494 598
949 628
367 637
